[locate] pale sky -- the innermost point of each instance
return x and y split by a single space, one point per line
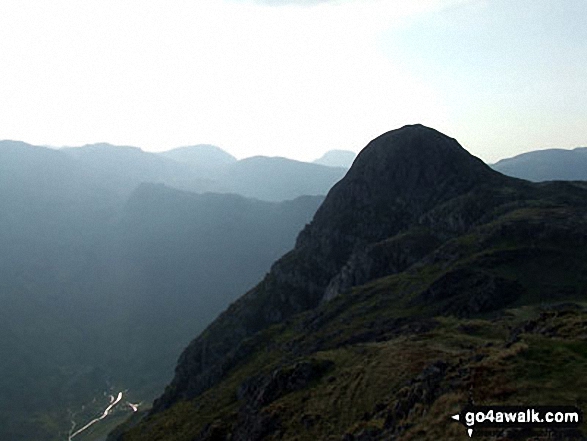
294 78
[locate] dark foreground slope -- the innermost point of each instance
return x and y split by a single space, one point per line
424 279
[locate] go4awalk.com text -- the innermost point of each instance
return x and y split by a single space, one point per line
553 417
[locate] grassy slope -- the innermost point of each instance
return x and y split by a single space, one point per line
368 379
386 341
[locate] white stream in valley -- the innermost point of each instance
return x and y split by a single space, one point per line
113 402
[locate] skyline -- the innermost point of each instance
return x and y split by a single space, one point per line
294 78
311 160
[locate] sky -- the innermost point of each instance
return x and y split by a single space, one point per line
294 78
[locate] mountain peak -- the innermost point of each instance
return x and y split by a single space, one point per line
396 178
415 156
201 155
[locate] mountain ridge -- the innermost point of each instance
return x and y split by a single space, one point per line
205 157
546 165
201 168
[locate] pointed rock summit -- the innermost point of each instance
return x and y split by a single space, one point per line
410 176
414 162
414 167
397 178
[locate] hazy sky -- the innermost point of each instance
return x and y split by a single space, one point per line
294 78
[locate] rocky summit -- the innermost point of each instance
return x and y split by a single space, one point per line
425 280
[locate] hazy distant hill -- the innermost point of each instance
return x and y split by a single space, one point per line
546 165
103 279
181 258
260 177
206 158
337 158
275 178
204 168
123 168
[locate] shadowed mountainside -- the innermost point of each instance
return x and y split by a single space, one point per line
423 276
103 284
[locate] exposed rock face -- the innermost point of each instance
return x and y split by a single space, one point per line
395 180
381 259
255 422
410 176
262 390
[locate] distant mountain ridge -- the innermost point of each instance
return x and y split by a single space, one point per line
99 257
277 178
546 165
124 168
200 154
200 168
205 158
206 167
337 158
416 246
